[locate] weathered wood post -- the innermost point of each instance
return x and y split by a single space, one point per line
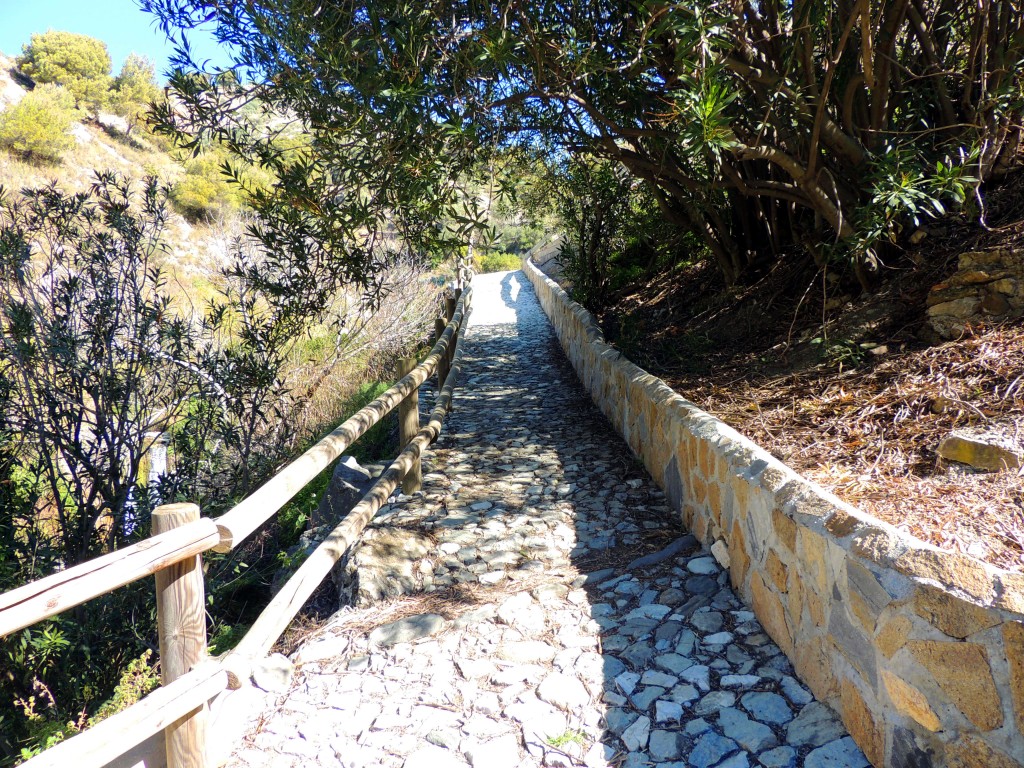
455 336
409 426
181 620
449 311
442 363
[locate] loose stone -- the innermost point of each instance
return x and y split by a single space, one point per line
710 749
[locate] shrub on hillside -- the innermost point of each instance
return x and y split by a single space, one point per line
37 127
203 192
496 261
78 62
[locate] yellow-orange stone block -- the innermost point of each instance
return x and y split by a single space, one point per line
811 550
893 635
776 570
801 597
948 568
699 487
1013 639
953 616
785 528
795 602
813 663
815 607
910 701
842 524
700 525
971 752
1011 592
770 613
739 561
715 501
963 673
859 722
862 611
741 494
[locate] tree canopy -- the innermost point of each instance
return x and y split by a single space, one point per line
134 88
367 153
78 62
765 128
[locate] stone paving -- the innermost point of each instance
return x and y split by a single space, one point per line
563 617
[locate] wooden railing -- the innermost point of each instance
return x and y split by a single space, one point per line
190 678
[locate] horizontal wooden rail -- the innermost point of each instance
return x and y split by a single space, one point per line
239 522
180 699
296 591
113 737
53 594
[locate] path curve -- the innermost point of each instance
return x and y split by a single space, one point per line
564 618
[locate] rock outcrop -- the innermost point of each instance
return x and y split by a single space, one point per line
987 287
993 449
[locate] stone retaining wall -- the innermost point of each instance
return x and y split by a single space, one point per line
920 650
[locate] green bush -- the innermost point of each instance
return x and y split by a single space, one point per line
37 127
496 261
138 679
203 192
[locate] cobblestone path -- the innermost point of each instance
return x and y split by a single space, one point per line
565 617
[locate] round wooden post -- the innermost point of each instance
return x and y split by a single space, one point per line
181 620
442 363
449 311
409 426
455 336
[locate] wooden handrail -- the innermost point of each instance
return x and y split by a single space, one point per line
53 594
180 699
278 614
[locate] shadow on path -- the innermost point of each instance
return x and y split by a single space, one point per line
564 617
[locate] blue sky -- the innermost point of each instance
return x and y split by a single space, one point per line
118 23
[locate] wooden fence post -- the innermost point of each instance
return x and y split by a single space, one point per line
181 619
449 310
409 427
442 364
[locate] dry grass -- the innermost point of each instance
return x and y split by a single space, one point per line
870 434
360 345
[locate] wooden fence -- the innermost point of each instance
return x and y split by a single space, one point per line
180 707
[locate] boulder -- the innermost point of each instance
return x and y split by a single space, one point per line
348 484
387 562
993 449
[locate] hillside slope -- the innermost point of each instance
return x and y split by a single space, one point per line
194 252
